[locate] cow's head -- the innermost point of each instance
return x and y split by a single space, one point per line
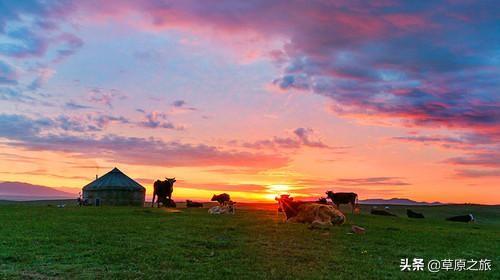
288 206
472 220
171 180
214 198
329 193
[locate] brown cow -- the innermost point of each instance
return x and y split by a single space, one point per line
317 215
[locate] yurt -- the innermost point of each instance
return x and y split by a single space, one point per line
114 188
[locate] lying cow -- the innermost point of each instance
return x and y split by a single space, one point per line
414 215
223 198
223 209
343 198
463 219
167 202
381 213
315 214
192 204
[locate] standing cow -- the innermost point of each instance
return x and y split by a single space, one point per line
163 191
343 198
222 198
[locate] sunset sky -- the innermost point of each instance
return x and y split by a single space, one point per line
254 98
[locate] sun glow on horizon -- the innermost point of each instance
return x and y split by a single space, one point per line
279 188
276 190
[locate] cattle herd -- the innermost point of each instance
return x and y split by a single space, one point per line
320 213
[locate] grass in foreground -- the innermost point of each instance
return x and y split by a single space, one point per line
119 242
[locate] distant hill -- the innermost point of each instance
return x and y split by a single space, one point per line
396 201
24 191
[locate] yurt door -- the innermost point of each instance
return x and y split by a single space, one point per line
97 202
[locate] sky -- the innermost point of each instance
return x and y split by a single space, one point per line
255 98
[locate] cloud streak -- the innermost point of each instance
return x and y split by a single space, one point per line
372 181
478 173
481 159
8 75
105 97
362 181
302 137
36 135
157 119
391 60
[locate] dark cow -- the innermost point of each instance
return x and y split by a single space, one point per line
381 213
81 201
414 215
463 219
163 191
192 204
222 198
315 214
169 203
343 198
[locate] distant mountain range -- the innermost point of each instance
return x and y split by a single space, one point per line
24 191
396 201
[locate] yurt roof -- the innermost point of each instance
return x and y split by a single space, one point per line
114 180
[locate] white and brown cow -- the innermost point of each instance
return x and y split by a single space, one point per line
315 214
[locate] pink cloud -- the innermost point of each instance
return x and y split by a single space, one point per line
105 97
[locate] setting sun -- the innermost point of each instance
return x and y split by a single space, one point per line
279 188
276 190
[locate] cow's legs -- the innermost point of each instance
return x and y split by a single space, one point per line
353 205
153 201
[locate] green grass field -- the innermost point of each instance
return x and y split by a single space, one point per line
39 242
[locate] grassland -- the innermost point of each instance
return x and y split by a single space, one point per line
39 242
